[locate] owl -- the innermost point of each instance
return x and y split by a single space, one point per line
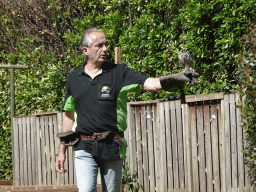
186 61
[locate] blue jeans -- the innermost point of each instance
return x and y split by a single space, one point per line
87 171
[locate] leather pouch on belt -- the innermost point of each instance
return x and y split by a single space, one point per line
109 135
120 142
69 138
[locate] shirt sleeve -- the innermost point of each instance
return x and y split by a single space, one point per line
69 104
133 79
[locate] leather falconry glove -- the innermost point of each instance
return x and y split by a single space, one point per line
68 138
177 80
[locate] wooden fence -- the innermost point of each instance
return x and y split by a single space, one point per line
188 147
171 146
35 151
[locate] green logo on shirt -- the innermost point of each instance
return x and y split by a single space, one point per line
105 89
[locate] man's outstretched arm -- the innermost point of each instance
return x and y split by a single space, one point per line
169 82
152 84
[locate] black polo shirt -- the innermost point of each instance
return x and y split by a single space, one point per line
100 103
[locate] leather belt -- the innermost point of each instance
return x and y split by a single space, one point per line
104 135
116 136
108 135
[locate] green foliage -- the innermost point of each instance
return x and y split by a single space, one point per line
247 82
40 46
128 179
45 35
212 33
5 153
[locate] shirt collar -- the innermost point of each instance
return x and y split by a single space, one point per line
81 69
106 66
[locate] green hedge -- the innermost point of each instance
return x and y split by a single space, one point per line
247 82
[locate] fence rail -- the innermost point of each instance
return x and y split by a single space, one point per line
194 146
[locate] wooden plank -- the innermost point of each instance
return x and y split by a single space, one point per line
70 166
56 145
39 152
46 113
25 160
43 155
75 180
233 140
66 164
65 179
21 152
208 147
240 155
138 143
16 148
174 146
222 145
47 151
29 160
201 146
234 189
33 148
14 151
150 116
163 175
188 147
180 144
52 150
189 99
14 66
126 137
132 142
144 130
215 145
227 142
60 177
168 145
143 102
194 147
117 55
156 146
205 97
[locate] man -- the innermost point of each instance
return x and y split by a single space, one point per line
95 108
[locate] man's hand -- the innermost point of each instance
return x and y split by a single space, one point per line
192 76
170 82
177 80
68 120
59 164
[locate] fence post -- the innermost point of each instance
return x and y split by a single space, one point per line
12 67
188 144
117 55
222 145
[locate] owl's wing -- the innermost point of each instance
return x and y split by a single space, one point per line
190 62
181 60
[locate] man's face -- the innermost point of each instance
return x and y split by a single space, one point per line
97 52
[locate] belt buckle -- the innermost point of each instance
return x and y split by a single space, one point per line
95 136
